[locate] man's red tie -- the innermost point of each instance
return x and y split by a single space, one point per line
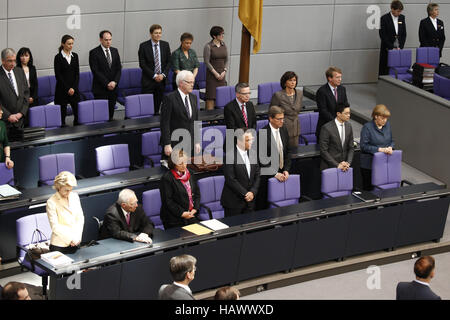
245 116
128 218
335 93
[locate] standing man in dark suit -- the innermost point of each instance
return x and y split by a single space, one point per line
419 289
392 33
126 220
106 68
240 112
182 269
431 29
242 177
14 91
275 138
336 141
328 96
179 111
154 60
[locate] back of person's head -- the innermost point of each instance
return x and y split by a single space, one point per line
397 5
181 265
11 290
227 293
424 267
341 107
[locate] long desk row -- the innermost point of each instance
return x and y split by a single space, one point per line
257 244
82 141
97 193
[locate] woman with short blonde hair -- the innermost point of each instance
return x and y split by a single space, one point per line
65 214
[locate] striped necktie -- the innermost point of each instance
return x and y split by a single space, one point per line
12 82
244 115
108 58
157 63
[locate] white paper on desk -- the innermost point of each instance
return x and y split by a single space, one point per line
214 224
7 191
56 258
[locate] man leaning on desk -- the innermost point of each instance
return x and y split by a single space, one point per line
126 220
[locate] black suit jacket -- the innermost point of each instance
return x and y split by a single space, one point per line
268 152
238 183
331 150
67 76
387 32
102 73
429 36
12 103
234 119
33 84
115 225
415 291
326 103
174 116
147 61
175 200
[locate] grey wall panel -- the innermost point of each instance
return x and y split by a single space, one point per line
3 34
44 47
3 9
309 66
354 35
358 66
297 30
137 26
140 5
28 8
295 2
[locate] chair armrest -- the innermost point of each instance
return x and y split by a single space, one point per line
409 183
99 222
304 139
207 209
396 73
135 167
273 203
305 198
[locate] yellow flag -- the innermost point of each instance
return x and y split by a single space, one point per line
250 13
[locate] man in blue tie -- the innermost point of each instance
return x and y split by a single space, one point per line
154 60
14 91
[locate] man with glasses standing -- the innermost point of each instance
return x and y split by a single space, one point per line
240 112
179 110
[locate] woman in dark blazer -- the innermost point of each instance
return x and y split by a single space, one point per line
376 136
67 73
431 29
24 60
180 196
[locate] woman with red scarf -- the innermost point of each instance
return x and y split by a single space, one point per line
180 195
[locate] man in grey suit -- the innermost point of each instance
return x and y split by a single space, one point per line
336 141
182 269
14 91
419 289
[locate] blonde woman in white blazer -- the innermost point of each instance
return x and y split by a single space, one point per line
65 214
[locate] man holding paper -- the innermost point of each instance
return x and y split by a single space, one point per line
126 220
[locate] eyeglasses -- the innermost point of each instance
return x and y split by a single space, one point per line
189 82
245 93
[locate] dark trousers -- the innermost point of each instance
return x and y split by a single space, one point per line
229 212
261 196
367 179
111 96
65 250
74 106
157 89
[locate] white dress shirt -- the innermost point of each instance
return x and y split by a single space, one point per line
185 287
244 156
333 89
183 97
341 129
434 22
421 282
395 20
68 57
13 78
125 213
275 134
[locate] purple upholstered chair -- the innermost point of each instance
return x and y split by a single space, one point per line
210 193
151 149
129 84
387 170
224 95
52 164
200 80
308 124
197 93
6 175
399 62
112 159
336 183
441 86
151 202
169 82
429 55
24 229
266 91
261 124
46 89
281 194
93 111
208 138
139 106
85 86
47 116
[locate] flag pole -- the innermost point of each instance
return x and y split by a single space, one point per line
244 67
